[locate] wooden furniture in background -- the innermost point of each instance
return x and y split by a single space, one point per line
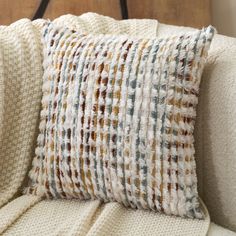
195 13
12 10
77 7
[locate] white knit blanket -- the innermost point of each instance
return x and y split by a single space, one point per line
20 96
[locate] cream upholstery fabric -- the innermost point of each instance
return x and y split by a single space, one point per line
20 94
216 136
216 230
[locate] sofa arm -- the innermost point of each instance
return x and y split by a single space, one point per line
216 132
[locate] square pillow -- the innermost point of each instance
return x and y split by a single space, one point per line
118 117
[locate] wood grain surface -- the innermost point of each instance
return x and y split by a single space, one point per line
12 10
77 7
195 13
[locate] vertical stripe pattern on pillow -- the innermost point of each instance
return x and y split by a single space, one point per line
117 119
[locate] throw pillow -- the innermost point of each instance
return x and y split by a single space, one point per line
118 117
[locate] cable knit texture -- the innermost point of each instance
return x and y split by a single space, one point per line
19 124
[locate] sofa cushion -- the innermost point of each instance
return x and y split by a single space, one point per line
91 218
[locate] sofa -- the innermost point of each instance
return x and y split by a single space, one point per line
20 98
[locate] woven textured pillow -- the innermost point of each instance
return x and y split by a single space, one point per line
117 119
